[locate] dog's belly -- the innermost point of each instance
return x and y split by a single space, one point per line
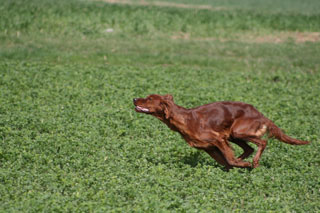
204 139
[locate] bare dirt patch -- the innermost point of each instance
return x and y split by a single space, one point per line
164 4
311 37
298 37
279 37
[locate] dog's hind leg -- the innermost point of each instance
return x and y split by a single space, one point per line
251 130
261 146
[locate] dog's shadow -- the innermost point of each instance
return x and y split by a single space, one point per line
197 158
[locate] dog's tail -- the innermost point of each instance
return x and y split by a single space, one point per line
276 132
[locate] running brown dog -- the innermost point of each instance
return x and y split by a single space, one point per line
211 126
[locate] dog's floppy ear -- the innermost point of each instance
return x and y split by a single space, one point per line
167 103
168 97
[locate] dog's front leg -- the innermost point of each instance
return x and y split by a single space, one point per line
227 152
215 153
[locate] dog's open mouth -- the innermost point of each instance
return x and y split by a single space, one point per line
141 109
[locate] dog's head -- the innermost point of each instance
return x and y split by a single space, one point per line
157 105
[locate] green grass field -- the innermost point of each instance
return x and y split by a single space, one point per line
270 6
70 140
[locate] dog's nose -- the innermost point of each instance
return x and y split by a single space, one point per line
134 100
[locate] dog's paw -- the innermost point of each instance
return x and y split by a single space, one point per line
255 164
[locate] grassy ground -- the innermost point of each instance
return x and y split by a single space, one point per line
71 141
270 6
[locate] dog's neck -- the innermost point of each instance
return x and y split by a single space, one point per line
177 118
177 113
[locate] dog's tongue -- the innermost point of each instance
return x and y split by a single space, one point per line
142 109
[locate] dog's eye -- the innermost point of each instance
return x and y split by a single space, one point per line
150 99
